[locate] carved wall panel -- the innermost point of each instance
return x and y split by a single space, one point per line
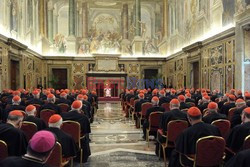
229 51
78 82
134 68
247 44
216 79
180 80
247 77
78 68
205 78
216 55
229 77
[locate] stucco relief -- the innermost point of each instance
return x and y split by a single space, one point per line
229 77
216 55
78 68
247 77
216 79
229 51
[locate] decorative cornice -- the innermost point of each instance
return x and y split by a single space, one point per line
14 43
192 47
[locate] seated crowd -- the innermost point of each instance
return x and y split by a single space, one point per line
32 123
181 120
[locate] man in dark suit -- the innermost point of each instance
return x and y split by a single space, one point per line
236 119
36 99
203 103
183 105
238 134
51 104
16 100
69 147
212 113
163 98
186 142
155 108
31 117
11 134
63 99
225 108
76 114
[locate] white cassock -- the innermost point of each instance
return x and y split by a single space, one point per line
107 92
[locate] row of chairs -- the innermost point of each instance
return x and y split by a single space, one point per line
56 160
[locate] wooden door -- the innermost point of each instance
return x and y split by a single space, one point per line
59 78
196 74
14 70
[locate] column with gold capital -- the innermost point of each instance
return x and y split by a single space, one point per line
72 17
165 18
71 40
50 21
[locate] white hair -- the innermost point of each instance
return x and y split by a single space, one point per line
57 124
31 112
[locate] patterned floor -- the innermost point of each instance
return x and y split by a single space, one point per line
116 142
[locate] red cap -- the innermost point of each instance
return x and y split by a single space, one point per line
63 94
30 108
16 99
174 101
239 92
16 113
238 101
80 97
173 91
162 92
154 92
247 95
93 92
84 92
247 110
131 91
188 95
35 92
155 98
85 97
212 106
141 95
42 141
55 118
76 104
16 93
50 96
232 97
194 111
181 98
207 97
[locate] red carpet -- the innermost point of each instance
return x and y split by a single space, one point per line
109 99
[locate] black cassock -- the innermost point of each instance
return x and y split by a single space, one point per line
20 162
14 138
38 121
11 108
213 116
237 136
240 160
85 128
186 142
69 147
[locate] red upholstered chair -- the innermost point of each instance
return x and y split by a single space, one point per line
64 107
231 113
29 129
3 150
166 106
131 106
74 129
174 129
209 152
246 144
223 125
154 119
133 109
45 114
55 158
142 114
37 109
